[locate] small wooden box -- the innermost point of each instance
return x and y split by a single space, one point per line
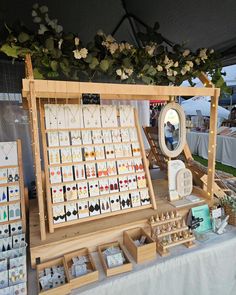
60 290
127 266
143 253
84 279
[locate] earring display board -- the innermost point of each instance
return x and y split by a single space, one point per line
12 207
95 164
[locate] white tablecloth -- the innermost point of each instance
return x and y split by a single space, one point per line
208 269
225 149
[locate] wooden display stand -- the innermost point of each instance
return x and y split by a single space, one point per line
19 183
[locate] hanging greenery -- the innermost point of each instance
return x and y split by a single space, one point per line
59 55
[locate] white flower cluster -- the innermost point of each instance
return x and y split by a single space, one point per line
79 53
40 12
170 66
124 73
111 44
150 49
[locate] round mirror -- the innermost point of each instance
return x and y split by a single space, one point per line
171 130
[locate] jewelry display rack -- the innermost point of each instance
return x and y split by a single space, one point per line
169 229
85 156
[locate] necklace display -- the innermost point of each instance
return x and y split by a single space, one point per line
6 149
109 116
74 116
91 116
126 116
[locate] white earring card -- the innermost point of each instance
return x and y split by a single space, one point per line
99 168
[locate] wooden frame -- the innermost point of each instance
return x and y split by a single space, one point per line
21 188
35 90
182 130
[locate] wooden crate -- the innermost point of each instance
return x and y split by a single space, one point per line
85 279
61 290
143 253
127 266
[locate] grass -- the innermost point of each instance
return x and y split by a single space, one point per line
219 166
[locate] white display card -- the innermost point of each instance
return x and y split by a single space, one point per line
113 184
54 116
86 137
92 117
173 168
93 188
99 152
55 174
138 165
127 152
83 209
94 207
116 137
66 156
125 135
64 138
135 199
133 134
53 139
184 181
144 197
67 173
97 136
76 154
14 211
13 193
115 203
73 116
3 194
79 172
82 189
132 181
109 151
126 115
71 192
61 120
71 211
122 167
90 169
57 194
3 175
111 168
107 136
109 116
54 156
105 205
119 152
89 153
8 153
4 231
125 201
12 174
102 169
75 137
136 149
58 213
141 180
104 186
3 213
130 166
123 183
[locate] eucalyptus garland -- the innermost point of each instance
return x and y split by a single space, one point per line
60 55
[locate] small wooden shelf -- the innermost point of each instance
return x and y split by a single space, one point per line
9 183
9 202
10 221
172 232
163 250
153 224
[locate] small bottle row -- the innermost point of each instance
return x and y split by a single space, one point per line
173 238
9 175
84 137
9 193
10 212
77 154
85 208
94 170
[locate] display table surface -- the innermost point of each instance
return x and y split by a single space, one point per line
208 269
225 149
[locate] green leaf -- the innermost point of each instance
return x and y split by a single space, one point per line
52 74
147 80
94 63
49 44
23 37
11 51
37 74
54 65
151 71
104 65
89 58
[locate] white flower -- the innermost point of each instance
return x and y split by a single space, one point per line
100 33
47 19
36 6
128 71
150 49
119 72
183 71
190 63
197 61
186 52
166 60
203 54
176 64
43 9
37 19
121 47
110 39
83 52
77 54
187 68
170 64
159 68
212 51
53 23
42 29
124 76
58 29
76 41
34 13
60 43
169 72
175 73
113 47
128 46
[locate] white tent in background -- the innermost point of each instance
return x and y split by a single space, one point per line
203 104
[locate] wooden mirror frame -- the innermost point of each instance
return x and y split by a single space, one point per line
182 131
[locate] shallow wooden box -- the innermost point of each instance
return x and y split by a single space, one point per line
127 266
61 290
84 279
143 253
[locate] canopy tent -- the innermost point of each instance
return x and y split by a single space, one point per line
200 23
202 103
